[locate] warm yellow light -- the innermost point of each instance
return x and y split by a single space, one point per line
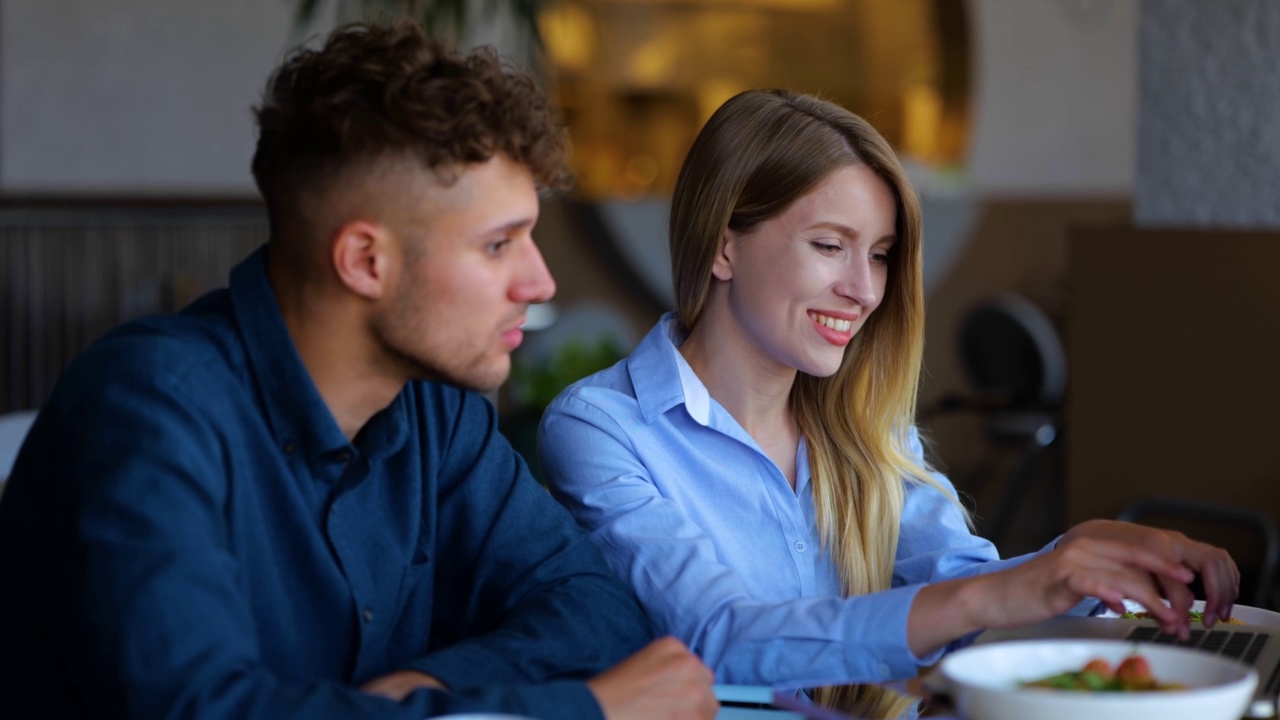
921 120
713 93
654 62
569 31
772 5
638 78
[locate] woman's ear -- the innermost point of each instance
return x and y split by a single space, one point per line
359 256
722 267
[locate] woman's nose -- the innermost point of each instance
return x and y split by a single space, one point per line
859 284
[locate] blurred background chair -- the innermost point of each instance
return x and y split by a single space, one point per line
13 430
1017 370
1250 536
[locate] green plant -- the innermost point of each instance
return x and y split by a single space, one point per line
535 385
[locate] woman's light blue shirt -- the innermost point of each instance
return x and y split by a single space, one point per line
721 551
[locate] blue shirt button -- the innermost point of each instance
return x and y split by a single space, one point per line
800 546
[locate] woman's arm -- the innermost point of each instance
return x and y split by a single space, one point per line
972 589
593 468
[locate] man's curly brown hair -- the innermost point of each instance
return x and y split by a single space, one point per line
376 91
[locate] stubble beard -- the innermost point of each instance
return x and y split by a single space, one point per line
478 372
448 361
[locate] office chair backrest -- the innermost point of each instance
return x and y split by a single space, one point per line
1251 537
1011 352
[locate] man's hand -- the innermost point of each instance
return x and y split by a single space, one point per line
664 681
398 685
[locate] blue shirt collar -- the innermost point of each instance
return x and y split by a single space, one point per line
662 377
298 416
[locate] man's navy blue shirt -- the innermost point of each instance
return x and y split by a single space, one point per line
188 533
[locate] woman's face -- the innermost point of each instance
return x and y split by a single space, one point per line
802 284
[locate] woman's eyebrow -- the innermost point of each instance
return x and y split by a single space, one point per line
836 226
848 231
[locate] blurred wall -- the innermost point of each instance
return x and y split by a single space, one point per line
152 97
1056 83
1053 150
1209 149
133 97
1175 325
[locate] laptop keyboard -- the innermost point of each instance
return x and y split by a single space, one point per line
1240 645
1243 646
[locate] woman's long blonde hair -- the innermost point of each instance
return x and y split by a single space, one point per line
760 152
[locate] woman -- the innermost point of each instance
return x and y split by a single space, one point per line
752 468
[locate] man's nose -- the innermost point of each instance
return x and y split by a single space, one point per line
535 283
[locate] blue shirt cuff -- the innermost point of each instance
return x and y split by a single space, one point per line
877 637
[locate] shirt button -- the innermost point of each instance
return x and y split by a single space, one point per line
368 615
884 671
800 546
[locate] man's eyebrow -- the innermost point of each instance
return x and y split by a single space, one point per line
517 224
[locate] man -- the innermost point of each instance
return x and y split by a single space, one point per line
287 501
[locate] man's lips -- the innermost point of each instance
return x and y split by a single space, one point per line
514 335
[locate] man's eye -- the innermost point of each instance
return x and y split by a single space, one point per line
497 246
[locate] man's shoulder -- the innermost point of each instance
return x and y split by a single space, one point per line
197 348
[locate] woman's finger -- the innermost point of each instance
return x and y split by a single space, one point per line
1220 576
1112 582
1138 556
1180 599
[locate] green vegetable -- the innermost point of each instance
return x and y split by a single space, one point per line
1193 615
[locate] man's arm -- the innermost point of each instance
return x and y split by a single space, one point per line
130 587
523 595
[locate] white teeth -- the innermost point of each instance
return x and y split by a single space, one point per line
833 323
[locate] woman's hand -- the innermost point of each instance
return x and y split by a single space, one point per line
1105 559
1217 571
1085 566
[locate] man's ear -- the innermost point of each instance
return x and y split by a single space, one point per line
722 267
359 255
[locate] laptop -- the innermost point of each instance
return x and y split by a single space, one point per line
1256 645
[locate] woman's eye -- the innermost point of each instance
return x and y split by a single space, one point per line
880 257
826 247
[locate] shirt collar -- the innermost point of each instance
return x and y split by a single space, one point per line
298 416
662 378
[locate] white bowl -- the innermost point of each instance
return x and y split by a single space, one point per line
985 679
